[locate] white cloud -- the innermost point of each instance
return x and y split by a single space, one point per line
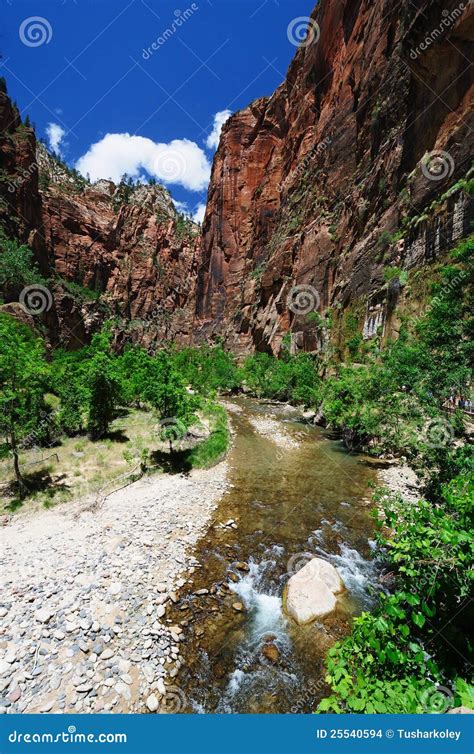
220 118
199 213
180 162
181 207
55 134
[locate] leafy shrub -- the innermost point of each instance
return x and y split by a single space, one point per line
396 654
17 268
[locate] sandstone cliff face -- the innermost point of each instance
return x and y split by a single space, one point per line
308 185
20 202
106 251
130 249
309 188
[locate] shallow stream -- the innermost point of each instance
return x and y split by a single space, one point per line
295 493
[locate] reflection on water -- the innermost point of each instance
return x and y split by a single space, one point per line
289 504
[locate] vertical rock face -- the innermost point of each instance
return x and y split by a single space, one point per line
106 251
308 185
309 189
128 249
20 202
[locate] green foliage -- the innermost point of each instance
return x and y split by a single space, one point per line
23 371
80 292
389 403
384 666
102 388
165 390
207 369
123 192
290 378
71 412
17 268
87 385
213 449
184 227
419 633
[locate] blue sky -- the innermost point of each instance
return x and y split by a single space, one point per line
89 68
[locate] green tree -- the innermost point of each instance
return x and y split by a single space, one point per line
166 392
17 268
132 373
22 375
101 384
102 395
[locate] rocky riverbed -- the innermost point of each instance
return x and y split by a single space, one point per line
85 595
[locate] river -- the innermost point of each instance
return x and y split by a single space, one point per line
287 501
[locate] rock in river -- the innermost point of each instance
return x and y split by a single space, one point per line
310 592
270 651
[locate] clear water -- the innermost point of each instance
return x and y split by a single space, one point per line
289 504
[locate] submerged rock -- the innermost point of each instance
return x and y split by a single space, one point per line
310 593
270 651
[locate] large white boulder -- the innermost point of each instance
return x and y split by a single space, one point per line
310 593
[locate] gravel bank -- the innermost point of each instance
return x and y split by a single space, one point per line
401 479
84 598
273 430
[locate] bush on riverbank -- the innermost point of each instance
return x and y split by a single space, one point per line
212 450
418 639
